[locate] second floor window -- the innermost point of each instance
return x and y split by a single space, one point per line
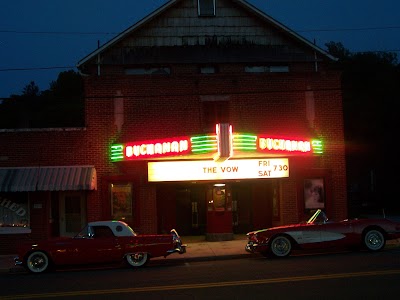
206 8
208 69
214 112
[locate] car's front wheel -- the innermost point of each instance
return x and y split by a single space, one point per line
374 240
137 259
37 262
280 246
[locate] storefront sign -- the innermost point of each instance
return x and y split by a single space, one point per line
211 170
221 145
272 144
150 149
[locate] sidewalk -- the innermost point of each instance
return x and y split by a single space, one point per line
197 250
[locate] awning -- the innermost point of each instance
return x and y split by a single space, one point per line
60 178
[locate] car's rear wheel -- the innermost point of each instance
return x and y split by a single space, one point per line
374 240
137 259
280 246
37 262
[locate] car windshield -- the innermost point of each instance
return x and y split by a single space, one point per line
84 233
318 217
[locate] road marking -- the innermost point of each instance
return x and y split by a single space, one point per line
200 285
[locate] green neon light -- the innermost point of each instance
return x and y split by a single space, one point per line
204 150
204 143
117 152
317 146
206 146
201 138
245 142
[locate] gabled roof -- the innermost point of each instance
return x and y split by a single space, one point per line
249 7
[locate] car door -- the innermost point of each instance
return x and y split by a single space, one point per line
311 236
336 234
102 247
88 250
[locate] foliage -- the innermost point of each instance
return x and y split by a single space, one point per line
60 106
31 90
370 88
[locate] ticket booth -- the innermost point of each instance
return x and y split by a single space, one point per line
219 213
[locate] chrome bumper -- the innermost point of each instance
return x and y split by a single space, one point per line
253 247
250 246
179 247
17 261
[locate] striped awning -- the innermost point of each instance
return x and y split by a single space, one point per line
60 178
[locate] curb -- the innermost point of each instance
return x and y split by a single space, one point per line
7 263
158 260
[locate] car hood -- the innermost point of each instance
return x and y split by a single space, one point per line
279 228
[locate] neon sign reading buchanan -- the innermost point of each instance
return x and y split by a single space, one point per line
271 144
205 144
161 148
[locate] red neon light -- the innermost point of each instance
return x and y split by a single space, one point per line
287 145
157 148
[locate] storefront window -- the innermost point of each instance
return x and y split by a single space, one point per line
314 193
121 201
14 213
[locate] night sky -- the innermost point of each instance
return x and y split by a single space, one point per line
39 39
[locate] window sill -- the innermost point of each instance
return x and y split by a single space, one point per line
15 230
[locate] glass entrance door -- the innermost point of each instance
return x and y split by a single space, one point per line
72 213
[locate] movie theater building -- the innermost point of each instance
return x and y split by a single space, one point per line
210 117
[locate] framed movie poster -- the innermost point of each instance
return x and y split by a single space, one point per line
121 201
314 193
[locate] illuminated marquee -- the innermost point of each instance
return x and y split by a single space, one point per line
221 146
271 144
150 149
198 170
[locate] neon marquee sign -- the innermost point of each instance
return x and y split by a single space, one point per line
272 144
222 146
151 149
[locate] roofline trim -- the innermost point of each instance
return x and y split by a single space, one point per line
126 32
167 5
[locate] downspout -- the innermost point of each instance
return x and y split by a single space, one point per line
315 60
98 59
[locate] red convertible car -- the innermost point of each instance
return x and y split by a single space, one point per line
99 242
320 233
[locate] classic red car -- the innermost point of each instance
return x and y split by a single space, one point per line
320 233
99 242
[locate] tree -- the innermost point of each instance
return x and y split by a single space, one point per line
31 90
338 51
65 101
18 110
370 89
60 106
